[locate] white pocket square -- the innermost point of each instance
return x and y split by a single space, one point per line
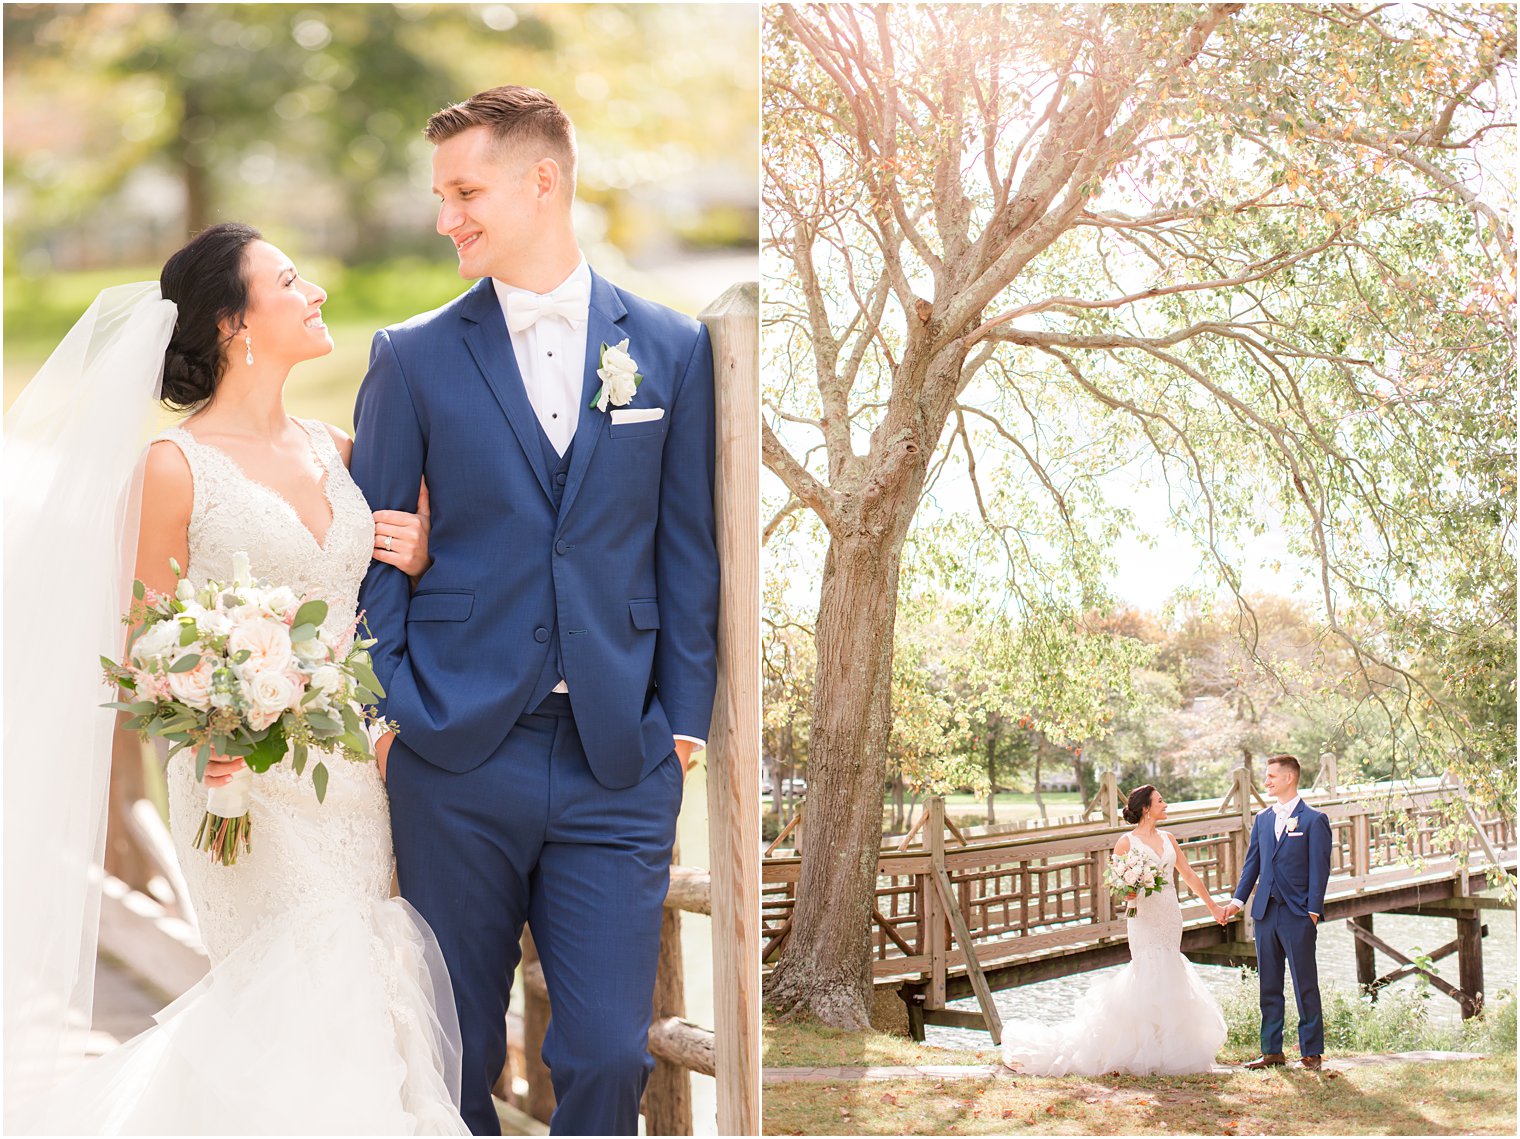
637 414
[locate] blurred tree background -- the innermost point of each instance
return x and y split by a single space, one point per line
129 127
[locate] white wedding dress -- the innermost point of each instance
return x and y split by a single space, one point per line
1152 1017
327 1009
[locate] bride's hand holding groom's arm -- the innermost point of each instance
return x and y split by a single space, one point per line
401 539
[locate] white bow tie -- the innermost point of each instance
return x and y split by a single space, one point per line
569 304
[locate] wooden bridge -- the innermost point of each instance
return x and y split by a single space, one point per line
964 915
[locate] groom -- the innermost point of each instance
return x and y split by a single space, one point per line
1289 866
555 667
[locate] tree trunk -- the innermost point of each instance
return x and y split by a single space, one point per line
1039 756
991 777
824 968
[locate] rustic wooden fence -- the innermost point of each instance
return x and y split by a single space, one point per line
954 908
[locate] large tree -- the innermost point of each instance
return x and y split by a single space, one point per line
1257 252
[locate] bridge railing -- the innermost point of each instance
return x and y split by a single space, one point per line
1043 892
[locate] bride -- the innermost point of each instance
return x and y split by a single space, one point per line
327 1008
1154 1015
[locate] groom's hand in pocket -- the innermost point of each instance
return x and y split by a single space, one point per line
684 750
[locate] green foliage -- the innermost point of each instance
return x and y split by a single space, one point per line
1398 1021
1278 289
312 113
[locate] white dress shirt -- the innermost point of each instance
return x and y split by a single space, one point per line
551 358
1283 811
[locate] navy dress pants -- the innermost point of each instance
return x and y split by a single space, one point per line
1287 938
530 835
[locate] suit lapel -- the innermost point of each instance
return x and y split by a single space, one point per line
602 327
489 343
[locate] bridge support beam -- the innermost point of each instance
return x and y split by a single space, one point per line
1470 931
1366 956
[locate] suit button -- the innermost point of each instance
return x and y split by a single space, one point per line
560 547
540 634
559 479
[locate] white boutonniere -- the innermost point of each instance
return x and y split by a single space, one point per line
620 377
1291 825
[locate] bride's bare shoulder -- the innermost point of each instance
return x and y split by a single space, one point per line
1121 848
166 471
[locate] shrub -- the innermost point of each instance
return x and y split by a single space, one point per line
1398 1021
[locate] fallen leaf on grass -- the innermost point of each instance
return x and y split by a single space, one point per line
1091 1099
1008 1112
888 1097
1050 1109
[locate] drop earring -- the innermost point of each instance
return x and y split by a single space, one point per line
248 341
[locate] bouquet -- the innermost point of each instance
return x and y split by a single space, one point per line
1131 875
243 669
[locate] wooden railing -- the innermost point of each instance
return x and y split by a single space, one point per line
1043 893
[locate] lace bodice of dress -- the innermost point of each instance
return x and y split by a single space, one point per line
233 513
1157 924
303 851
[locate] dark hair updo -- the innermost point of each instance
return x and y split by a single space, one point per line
207 280
1139 799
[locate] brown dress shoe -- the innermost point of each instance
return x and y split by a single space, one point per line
1312 1062
1267 1060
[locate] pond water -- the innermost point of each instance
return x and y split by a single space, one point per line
1049 1000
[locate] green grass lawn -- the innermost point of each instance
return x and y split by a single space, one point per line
1012 806
361 300
1467 1097
1454 1097
1399 1098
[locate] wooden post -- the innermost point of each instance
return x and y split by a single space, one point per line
1109 790
1366 958
1103 908
934 905
1470 958
733 320
1241 793
1328 777
667 1096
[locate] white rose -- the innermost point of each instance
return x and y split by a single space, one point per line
280 603
184 591
310 651
617 373
268 694
194 687
267 642
158 640
328 678
210 623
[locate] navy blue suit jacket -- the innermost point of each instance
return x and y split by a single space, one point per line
1296 868
625 570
